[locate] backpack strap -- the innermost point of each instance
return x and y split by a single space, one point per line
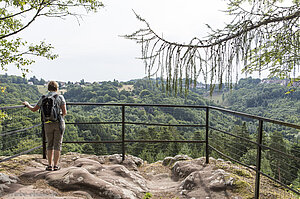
55 98
43 97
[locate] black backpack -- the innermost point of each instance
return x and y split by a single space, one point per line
50 108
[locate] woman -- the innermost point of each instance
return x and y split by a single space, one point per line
54 130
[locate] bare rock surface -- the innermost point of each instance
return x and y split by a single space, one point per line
81 176
104 177
86 176
169 161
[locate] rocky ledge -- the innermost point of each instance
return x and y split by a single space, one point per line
107 177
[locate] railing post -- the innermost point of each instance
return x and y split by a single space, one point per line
44 141
206 135
123 132
258 159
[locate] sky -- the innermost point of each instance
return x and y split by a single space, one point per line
94 50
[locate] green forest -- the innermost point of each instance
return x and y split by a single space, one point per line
252 96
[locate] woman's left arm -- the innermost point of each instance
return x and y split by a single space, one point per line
33 109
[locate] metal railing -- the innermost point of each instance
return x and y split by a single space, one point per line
208 128
14 132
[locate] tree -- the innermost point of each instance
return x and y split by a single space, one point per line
197 149
88 149
18 15
295 151
146 151
99 148
145 93
250 159
34 80
278 162
238 147
263 37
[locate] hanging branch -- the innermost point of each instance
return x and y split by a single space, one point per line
265 38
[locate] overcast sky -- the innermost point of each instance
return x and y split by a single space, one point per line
94 51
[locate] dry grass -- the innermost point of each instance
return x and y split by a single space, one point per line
42 89
128 88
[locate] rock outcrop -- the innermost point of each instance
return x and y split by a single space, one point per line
108 177
199 179
169 161
6 180
108 181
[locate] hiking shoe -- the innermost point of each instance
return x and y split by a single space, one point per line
49 168
55 168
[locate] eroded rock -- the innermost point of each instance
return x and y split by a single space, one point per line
6 180
98 177
169 161
182 169
130 162
196 175
108 181
220 180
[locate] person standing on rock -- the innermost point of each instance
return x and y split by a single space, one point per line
53 109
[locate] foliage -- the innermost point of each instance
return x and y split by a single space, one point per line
267 99
263 35
17 93
274 105
17 15
35 81
147 195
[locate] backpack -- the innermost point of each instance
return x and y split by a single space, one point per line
50 108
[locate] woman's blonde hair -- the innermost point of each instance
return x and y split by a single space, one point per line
52 86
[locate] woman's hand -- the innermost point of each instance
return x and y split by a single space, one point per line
25 103
34 109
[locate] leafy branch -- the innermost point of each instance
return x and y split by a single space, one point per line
18 15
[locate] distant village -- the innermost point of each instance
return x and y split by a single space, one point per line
34 81
282 82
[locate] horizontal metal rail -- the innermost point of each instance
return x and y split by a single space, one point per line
11 107
138 123
256 117
119 142
134 105
167 141
175 106
264 146
170 125
21 153
230 158
282 184
190 106
247 166
282 153
91 142
221 131
84 123
20 130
